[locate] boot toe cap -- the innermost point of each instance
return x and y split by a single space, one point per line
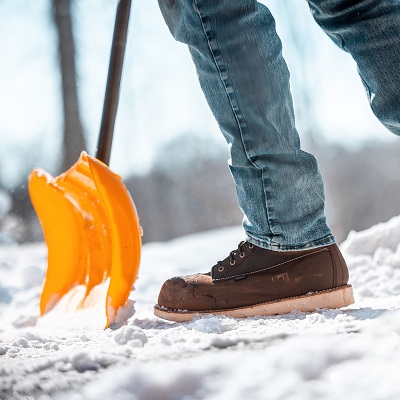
183 293
172 292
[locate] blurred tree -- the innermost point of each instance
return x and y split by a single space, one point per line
188 190
363 186
74 141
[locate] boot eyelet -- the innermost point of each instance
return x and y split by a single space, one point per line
242 254
233 262
220 268
251 245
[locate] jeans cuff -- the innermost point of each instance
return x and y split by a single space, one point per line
325 241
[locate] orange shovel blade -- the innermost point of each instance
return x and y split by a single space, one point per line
93 236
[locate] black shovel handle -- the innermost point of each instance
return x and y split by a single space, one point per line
111 97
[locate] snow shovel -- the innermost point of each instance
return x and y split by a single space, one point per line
89 220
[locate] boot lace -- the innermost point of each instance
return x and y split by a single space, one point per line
232 260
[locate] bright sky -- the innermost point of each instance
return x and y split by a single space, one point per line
160 96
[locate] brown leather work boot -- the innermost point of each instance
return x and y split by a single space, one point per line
254 281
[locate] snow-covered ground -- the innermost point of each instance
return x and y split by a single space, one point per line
353 353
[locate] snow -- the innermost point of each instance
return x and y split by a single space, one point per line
352 353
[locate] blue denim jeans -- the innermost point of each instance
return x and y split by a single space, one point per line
238 57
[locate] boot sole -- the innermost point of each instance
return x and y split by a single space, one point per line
332 298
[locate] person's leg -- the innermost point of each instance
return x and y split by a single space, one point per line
289 261
370 32
244 77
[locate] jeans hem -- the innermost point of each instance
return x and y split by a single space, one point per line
325 241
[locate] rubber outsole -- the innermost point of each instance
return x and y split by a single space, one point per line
333 298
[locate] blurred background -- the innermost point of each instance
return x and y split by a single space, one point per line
167 146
